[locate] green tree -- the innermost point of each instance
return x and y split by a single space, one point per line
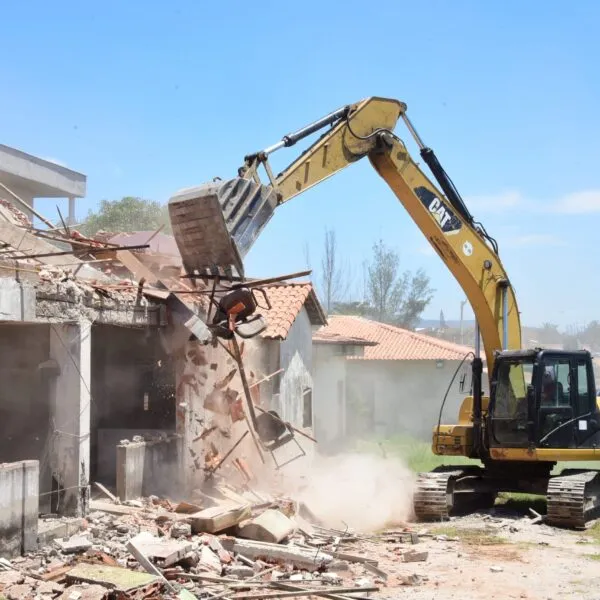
352 307
128 214
394 297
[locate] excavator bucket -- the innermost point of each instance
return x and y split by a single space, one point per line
215 224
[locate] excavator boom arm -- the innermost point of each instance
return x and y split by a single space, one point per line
364 129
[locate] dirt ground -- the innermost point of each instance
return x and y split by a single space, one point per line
501 555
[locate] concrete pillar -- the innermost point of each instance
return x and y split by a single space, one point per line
70 347
71 217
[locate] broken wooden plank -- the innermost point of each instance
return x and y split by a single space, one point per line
56 574
232 495
106 492
289 586
186 508
116 509
137 268
310 592
353 558
375 570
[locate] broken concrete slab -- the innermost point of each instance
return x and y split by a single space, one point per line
52 529
84 592
217 518
10 578
300 558
21 591
73 545
181 530
412 556
210 560
271 526
215 545
114 578
49 587
163 551
241 571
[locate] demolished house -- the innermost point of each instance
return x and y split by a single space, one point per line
112 376
145 401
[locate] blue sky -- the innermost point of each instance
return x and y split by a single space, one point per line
149 97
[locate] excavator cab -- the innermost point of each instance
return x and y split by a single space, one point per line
543 399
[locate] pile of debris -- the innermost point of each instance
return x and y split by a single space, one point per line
229 544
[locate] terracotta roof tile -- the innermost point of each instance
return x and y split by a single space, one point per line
393 343
287 301
323 336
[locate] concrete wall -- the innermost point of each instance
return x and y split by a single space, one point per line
296 385
107 440
19 496
25 397
133 386
400 397
69 456
329 396
295 357
299 339
17 300
149 468
24 408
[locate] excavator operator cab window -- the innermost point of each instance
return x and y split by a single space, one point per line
508 417
567 414
556 384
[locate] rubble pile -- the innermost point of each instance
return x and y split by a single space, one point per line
223 543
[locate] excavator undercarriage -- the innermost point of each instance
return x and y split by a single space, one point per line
573 497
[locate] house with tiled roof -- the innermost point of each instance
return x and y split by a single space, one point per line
285 348
372 378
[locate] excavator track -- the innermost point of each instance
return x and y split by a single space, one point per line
572 499
434 498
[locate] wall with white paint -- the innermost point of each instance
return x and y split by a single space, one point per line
329 398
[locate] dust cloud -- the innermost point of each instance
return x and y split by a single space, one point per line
362 492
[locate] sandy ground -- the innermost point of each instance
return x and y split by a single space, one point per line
492 556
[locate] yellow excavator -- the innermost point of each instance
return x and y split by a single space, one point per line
541 408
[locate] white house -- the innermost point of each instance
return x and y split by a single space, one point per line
376 379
